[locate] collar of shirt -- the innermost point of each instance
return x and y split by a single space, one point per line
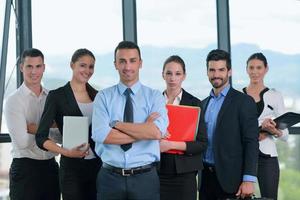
223 92
176 100
27 91
134 88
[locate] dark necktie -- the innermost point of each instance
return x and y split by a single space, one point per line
128 115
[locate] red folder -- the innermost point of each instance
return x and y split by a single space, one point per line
183 124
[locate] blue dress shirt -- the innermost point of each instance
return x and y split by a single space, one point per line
109 105
211 116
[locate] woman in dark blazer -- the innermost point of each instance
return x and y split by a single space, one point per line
178 171
78 166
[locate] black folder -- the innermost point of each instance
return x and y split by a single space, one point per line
287 120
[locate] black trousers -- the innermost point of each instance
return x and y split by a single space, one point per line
33 179
78 178
268 176
178 186
210 188
113 186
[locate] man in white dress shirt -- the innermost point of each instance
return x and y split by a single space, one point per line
33 173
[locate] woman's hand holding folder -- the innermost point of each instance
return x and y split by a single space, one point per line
269 125
166 145
78 152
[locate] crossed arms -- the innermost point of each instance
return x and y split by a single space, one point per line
151 127
124 133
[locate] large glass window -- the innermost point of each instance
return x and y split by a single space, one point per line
61 27
10 85
170 27
272 27
11 67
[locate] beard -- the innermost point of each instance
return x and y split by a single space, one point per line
219 84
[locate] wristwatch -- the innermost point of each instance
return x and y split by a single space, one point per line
113 123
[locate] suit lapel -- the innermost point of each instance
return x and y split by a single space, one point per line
73 106
205 103
185 100
225 105
91 91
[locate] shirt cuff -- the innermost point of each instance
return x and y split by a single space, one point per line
99 134
249 178
162 128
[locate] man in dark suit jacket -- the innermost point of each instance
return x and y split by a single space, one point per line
231 157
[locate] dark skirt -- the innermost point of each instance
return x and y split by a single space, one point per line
178 186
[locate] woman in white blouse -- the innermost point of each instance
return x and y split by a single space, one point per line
269 106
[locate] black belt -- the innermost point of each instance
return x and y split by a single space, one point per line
129 172
209 167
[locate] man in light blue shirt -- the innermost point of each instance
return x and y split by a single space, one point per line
128 173
231 157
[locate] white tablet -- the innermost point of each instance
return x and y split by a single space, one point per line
75 131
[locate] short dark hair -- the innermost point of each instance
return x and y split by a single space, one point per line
81 52
32 52
127 45
259 56
176 59
219 54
